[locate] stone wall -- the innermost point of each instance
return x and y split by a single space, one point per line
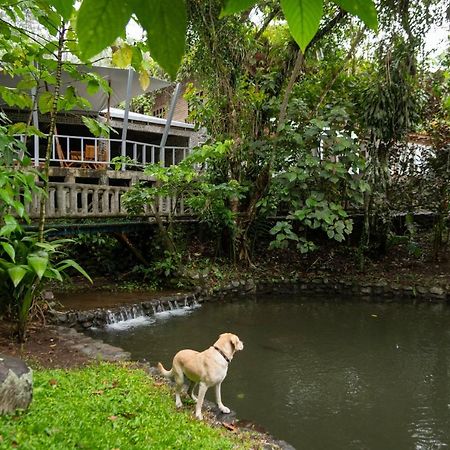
377 291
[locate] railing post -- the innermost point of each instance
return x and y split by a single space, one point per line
168 122
125 115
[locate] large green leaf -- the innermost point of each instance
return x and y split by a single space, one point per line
38 264
9 249
45 102
165 23
64 7
16 274
100 22
303 17
11 225
364 9
53 274
235 6
63 265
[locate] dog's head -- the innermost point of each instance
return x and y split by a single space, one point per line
232 341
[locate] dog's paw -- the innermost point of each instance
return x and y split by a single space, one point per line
199 416
225 410
179 404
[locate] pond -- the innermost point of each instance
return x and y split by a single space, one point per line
319 373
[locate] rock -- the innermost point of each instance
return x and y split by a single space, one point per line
16 384
48 295
250 285
438 291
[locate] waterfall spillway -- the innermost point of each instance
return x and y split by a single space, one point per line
125 314
133 315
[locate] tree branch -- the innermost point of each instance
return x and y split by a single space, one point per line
267 21
347 58
327 28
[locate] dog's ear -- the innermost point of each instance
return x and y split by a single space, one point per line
236 342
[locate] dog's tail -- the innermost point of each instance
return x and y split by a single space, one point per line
164 372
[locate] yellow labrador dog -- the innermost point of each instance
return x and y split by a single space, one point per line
208 368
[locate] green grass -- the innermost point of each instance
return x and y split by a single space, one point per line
107 406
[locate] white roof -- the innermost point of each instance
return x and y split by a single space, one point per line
117 113
117 78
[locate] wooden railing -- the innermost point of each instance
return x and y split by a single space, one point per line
74 200
97 153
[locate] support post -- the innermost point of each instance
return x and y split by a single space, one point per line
125 115
173 103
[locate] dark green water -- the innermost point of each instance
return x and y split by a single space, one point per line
322 374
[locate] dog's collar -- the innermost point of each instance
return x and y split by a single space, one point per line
223 354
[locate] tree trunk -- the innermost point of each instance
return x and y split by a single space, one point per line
51 133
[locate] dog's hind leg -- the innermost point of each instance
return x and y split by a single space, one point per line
201 396
221 406
178 377
192 386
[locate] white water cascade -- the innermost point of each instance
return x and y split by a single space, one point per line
129 316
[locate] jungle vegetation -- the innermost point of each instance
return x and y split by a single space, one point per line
309 107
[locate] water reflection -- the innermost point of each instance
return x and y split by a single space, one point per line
324 375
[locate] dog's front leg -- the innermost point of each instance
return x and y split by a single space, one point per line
221 406
201 396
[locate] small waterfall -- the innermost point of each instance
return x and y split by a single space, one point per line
172 307
124 313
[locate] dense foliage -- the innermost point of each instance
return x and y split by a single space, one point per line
308 114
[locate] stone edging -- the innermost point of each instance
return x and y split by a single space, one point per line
366 290
100 317
94 349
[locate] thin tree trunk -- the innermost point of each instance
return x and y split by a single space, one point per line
51 133
299 62
122 237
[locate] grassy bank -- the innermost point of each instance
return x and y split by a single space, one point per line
107 406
